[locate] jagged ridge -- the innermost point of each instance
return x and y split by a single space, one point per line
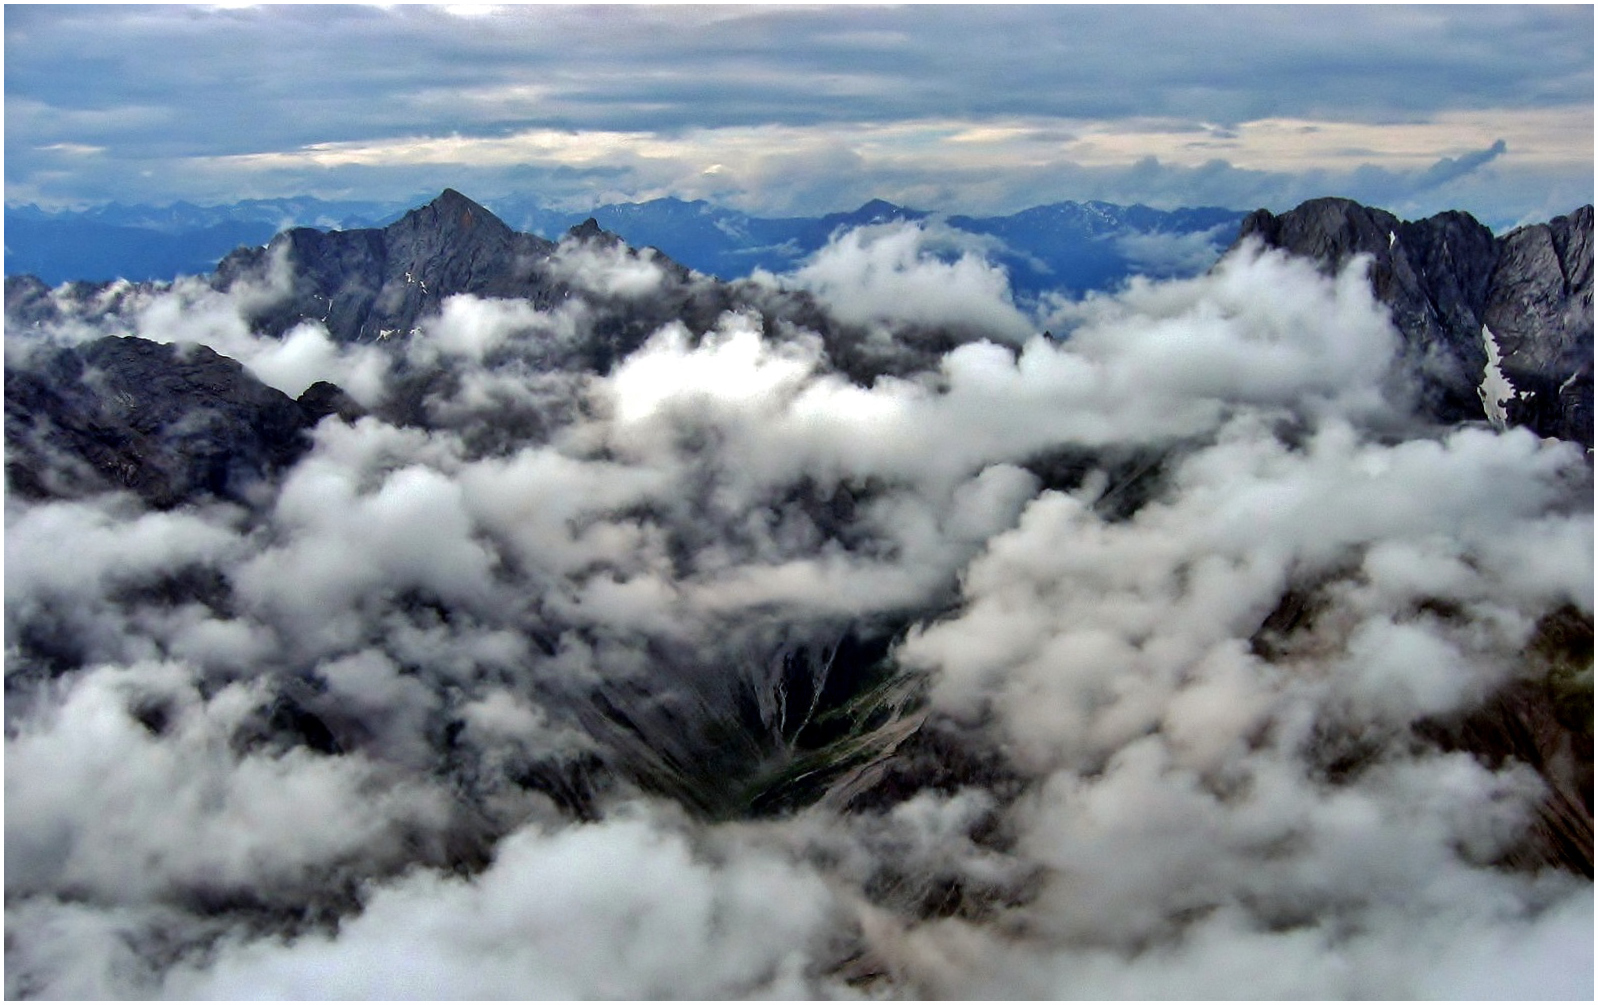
1445 278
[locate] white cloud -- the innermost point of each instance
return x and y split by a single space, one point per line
886 273
580 588
626 908
121 813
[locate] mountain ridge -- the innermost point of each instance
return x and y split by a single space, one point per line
1446 279
142 243
1453 288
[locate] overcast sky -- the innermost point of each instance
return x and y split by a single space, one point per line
778 110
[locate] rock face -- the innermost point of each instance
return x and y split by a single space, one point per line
376 284
1445 278
171 423
1539 310
370 284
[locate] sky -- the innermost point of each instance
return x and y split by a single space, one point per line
800 110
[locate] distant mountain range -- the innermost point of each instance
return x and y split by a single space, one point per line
162 242
1068 246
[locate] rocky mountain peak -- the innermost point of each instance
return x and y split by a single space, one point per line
879 207
372 284
1453 288
589 231
454 214
1330 230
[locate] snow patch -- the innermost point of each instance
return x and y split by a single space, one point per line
1495 389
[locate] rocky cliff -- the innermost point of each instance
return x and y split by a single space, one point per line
372 283
1458 294
171 423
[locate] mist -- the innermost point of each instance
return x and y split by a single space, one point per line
1115 663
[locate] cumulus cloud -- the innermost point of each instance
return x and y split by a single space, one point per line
611 269
1157 255
1118 664
889 273
624 908
128 793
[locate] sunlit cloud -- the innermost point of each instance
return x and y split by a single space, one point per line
1553 136
733 159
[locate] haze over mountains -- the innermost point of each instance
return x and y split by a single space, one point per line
460 612
1070 247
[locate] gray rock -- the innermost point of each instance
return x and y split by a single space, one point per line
1444 278
1540 313
370 284
170 423
1432 274
379 284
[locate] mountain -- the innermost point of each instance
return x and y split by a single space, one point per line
388 569
720 242
61 250
371 283
1080 247
172 427
180 217
141 243
1458 294
1067 247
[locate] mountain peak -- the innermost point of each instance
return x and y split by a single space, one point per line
452 211
452 200
878 206
590 230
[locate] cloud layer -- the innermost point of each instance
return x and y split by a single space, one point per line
776 110
1111 658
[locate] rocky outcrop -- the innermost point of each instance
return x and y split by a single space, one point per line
1447 277
171 423
1539 311
371 284
374 285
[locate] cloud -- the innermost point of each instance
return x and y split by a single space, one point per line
1449 168
879 65
1159 255
886 273
623 908
609 269
128 794
1107 665
676 92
